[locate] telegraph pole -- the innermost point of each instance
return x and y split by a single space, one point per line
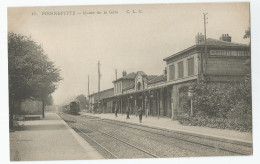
99 76
88 85
205 35
205 22
89 102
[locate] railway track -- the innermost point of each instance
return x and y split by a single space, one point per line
86 135
106 134
239 148
199 140
215 146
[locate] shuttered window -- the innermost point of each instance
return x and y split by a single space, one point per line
171 72
119 87
180 69
190 66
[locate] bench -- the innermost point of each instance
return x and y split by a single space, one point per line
32 117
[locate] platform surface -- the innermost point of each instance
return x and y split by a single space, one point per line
49 139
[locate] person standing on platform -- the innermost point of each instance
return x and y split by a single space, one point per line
140 112
127 112
92 109
116 110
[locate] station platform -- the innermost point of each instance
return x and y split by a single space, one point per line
167 123
49 139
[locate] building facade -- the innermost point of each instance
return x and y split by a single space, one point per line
217 61
140 90
101 102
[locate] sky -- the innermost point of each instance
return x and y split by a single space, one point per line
134 41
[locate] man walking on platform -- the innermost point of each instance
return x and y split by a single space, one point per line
140 112
127 112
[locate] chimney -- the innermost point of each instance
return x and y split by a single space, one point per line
199 38
124 73
225 37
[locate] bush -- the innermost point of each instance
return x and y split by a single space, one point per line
222 105
184 100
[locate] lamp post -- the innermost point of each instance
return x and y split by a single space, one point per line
151 97
172 117
145 104
158 104
131 102
190 94
135 105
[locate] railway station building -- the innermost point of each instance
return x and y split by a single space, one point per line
102 102
223 62
216 60
138 89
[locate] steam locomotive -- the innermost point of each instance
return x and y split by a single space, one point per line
72 108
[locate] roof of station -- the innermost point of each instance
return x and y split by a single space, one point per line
128 76
211 43
103 94
157 79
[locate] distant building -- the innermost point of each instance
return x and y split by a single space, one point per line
103 100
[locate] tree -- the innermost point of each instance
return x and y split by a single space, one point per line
247 65
31 73
49 100
247 33
82 100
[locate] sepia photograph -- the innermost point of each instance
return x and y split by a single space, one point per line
129 81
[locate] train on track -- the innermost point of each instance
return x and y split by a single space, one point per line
72 108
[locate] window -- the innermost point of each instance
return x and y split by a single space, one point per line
180 69
138 86
115 88
119 88
118 84
190 66
171 72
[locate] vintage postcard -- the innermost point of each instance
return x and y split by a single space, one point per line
129 81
